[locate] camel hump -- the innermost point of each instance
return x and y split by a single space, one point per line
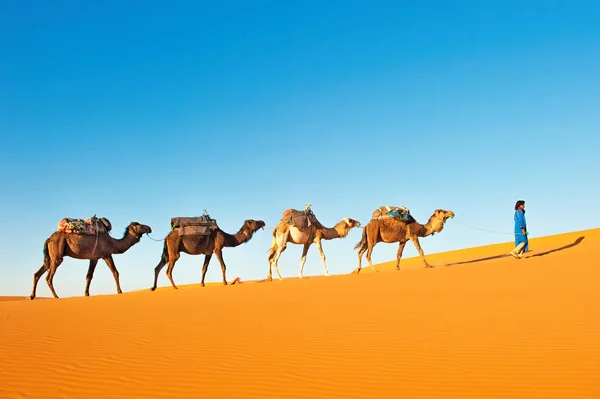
396 212
298 218
90 226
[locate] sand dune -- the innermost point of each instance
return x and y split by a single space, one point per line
480 325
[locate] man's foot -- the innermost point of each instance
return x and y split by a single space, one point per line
514 254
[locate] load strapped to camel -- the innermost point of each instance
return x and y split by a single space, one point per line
298 218
91 226
198 225
393 212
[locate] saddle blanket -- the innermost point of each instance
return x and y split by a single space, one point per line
396 212
194 226
299 218
91 226
204 220
194 230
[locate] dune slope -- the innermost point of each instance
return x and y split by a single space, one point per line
480 325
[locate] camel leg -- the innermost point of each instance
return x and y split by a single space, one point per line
111 265
320 248
361 251
399 254
36 278
415 241
219 253
303 258
205 267
50 276
270 275
164 259
172 260
369 252
275 261
90 275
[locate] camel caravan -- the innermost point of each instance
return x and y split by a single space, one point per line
90 239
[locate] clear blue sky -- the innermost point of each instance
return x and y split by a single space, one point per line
149 110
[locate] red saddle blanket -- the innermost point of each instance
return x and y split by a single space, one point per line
91 226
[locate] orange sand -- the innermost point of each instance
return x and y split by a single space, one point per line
495 328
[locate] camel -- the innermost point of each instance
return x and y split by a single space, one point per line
285 232
203 245
82 246
391 230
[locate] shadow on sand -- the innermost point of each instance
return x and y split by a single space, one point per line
479 260
571 245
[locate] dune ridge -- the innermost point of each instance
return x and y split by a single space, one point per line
480 325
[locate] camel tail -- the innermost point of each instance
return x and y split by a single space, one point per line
46 254
363 240
165 253
273 248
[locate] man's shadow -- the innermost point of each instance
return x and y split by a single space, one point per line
571 245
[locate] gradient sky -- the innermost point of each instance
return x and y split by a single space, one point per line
149 110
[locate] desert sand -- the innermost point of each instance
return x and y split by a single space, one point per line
479 325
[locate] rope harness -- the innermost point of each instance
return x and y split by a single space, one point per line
488 231
154 239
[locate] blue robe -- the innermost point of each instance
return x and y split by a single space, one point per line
520 223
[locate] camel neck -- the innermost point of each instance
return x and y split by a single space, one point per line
125 243
236 239
340 230
434 225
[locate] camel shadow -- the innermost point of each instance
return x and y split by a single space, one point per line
571 245
478 260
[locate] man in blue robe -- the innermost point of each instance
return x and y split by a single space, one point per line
521 241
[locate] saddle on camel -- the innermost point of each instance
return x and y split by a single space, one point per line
197 225
392 212
296 218
91 226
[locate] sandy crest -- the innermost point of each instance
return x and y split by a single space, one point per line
495 328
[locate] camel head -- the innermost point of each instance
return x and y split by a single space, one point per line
254 225
340 230
443 215
351 223
138 230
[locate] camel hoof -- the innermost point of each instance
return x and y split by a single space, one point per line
429 267
300 276
225 283
269 278
201 284
152 289
119 292
356 271
31 297
375 271
328 275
